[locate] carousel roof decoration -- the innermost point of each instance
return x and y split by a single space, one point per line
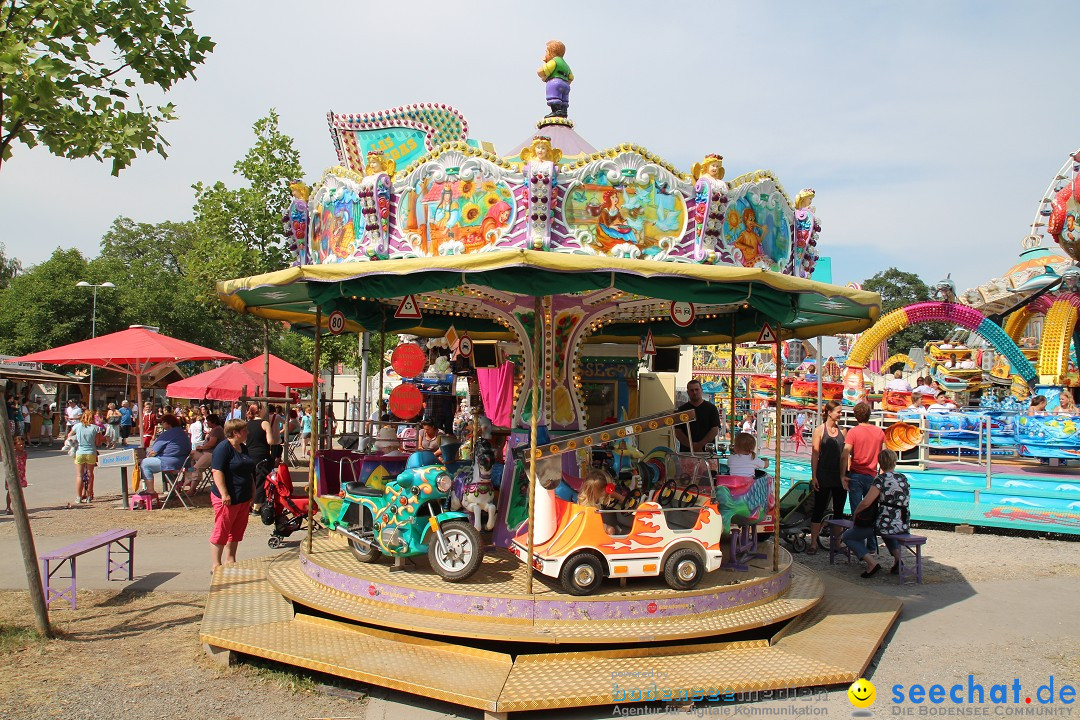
418 207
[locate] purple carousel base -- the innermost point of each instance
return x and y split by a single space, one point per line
494 603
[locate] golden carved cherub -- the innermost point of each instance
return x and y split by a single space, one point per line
378 163
804 198
540 149
712 165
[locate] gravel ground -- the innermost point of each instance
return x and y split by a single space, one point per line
136 656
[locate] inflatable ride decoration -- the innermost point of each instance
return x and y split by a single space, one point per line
897 400
1048 436
1064 222
902 436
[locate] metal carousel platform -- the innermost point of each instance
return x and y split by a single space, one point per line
738 632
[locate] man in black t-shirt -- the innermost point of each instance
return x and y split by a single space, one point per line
705 427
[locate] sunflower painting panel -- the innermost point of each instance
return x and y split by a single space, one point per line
454 217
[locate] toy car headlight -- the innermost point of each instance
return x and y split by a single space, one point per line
443 482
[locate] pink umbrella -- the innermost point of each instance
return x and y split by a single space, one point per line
228 382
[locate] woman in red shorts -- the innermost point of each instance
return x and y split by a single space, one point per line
234 485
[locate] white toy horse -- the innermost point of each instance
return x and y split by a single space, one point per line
473 490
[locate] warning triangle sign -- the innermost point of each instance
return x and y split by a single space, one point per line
409 309
766 336
648 347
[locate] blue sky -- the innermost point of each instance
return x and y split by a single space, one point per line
929 130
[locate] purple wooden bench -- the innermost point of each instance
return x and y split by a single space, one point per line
911 544
53 562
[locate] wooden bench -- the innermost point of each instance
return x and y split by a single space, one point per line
53 561
912 544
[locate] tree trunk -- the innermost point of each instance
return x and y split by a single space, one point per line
22 527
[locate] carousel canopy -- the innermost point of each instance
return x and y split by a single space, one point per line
467 291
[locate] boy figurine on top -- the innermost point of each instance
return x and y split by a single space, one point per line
556 73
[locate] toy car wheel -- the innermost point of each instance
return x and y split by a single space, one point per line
462 554
798 543
582 574
683 569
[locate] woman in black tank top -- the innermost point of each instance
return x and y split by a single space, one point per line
828 445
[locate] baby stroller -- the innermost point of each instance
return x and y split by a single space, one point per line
795 508
285 512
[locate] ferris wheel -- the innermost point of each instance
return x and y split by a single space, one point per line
1064 177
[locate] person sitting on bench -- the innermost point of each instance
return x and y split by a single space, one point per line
169 452
891 495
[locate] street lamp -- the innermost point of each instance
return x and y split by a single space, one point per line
93 327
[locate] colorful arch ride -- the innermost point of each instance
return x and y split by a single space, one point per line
1061 311
931 311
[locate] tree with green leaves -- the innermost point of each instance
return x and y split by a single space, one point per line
70 72
143 260
9 267
897 289
238 232
41 308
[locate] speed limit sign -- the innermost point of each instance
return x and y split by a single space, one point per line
465 346
683 313
336 322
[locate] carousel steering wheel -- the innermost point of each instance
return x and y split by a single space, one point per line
689 496
665 496
631 500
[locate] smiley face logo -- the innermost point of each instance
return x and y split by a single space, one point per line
862 693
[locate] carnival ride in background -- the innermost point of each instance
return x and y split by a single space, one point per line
1001 317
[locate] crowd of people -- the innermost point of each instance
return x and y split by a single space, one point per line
856 467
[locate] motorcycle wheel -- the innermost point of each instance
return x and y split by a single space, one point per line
462 556
365 556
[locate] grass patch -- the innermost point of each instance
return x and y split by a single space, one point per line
297 680
15 637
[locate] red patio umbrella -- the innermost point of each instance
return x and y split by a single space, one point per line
228 382
281 371
134 351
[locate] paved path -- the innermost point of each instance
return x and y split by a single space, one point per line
179 563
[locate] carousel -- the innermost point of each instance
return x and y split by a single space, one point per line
547 601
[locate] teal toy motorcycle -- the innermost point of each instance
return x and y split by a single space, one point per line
407 518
